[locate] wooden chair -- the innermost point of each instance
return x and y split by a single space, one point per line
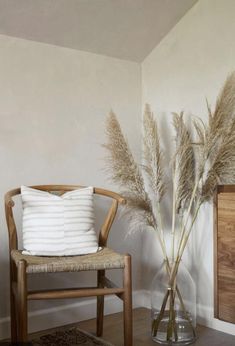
23 265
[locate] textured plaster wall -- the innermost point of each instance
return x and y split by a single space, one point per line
53 103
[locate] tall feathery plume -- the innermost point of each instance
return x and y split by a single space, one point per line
219 123
222 169
153 164
153 167
124 171
224 109
219 147
183 164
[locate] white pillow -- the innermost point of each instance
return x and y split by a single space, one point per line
58 225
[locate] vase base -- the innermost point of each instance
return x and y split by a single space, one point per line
183 333
174 343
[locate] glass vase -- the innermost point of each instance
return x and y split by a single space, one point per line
173 305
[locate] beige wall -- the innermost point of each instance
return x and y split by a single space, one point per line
190 64
53 103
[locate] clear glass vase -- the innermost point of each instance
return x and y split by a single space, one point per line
173 305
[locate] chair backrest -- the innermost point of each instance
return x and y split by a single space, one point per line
60 189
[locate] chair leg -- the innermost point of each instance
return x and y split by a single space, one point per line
127 302
13 303
22 301
100 305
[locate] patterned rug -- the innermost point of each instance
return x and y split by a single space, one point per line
68 337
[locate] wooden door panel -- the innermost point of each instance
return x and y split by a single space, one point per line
225 254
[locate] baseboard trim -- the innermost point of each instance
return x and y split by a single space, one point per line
205 316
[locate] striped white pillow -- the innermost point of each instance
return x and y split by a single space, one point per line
58 225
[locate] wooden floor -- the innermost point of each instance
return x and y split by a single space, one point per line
113 331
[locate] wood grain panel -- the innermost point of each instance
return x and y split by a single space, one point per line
226 288
224 213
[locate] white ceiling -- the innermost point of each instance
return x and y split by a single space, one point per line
126 29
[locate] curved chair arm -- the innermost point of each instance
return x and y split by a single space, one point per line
8 196
104 231
11 226
111 194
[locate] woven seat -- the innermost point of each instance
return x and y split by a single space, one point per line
103 259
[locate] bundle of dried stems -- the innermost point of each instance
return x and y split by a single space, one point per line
198 166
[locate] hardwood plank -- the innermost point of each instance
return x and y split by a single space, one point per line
113 331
